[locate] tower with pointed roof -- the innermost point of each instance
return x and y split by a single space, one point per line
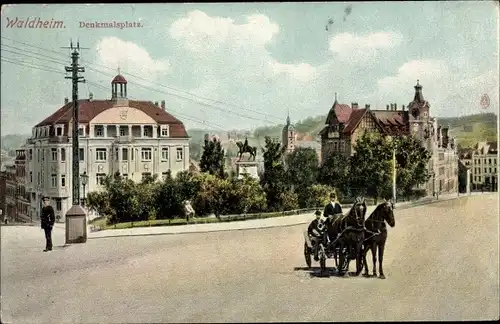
419 115
288 136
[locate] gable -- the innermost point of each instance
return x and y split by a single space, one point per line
122 115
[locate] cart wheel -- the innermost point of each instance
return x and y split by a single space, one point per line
307 255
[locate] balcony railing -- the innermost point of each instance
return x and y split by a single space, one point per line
124 139
59 139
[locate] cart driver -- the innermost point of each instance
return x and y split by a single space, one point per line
315 231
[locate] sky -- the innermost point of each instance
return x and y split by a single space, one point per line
238 66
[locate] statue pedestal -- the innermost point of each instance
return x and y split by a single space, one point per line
247 167
76 225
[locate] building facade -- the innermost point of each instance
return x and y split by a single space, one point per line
344 125
134 138
14 198
3 192
482 161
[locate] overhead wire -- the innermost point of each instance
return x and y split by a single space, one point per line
53 70
156 90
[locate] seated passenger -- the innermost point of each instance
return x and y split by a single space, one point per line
316 232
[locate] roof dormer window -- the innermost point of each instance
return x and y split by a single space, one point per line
59 130
164 131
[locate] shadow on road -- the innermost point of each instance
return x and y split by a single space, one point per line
315 272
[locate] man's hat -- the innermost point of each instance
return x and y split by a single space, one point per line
45 198
317 213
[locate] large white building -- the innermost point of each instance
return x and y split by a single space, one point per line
134 138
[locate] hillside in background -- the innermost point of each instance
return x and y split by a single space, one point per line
468 130
11 142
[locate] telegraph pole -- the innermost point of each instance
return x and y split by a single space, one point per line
76 217
75 78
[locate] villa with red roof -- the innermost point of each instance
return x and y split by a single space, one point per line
345 124
135 138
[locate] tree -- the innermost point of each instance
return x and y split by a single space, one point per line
212 196
317 195
302 170
212 159
371 166
274 180
247 195
412 164
335 172
123 200
288 201
147 194
169 198
99 202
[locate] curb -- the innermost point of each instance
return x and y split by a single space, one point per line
416 204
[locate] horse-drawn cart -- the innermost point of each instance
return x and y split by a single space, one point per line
328 250
350 237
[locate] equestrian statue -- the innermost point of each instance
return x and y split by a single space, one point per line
245 148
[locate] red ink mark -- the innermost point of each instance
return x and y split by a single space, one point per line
485 101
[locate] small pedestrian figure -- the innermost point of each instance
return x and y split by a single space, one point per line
48 219
188 209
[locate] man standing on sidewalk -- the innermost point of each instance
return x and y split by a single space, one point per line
188 209
48 219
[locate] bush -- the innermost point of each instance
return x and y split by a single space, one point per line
288 201
317 195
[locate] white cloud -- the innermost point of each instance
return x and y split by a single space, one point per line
427 71
130 57
200 32
235 47
362 48
231 62
301 72
449 93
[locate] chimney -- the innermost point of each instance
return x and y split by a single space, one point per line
66 100
354 105
395 106
387 107
367 106
403 108
156 104
91 96
163 104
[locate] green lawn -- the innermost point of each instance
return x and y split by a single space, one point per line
101 222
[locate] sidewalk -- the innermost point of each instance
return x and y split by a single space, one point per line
250 224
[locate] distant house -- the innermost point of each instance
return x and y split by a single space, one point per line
483 163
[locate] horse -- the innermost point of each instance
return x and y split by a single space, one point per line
377 231
347 232
246 149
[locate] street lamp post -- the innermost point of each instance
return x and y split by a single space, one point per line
390 140
84 178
